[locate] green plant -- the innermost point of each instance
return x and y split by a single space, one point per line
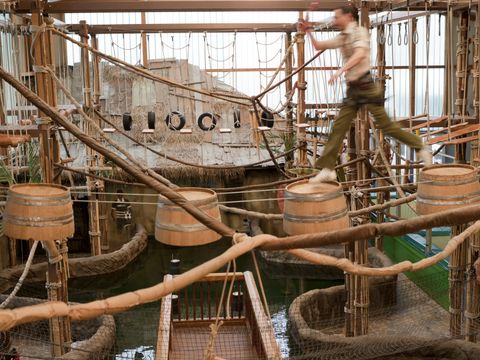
33 162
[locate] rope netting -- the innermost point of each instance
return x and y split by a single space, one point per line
406 319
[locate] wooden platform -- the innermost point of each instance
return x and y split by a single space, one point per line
185 319
234 341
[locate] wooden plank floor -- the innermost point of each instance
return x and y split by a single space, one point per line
232 342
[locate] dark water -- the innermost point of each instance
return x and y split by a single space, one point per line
137 328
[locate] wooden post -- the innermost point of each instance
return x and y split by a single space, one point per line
462 79
412 62
302 159
56 280
288 89
144 43
101 197
472 303
361 247
44 91
92 156
350 284
476 64
456 270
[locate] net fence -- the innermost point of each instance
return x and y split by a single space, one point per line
405 320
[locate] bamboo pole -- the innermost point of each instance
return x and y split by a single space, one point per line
350 282
103 208
381 196
302 159
456 270
92 156
472 303
361 247
60 334
145 61
462 77
476 63
288 90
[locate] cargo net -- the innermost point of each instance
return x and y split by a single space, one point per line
405 320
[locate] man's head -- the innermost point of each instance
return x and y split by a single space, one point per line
344 15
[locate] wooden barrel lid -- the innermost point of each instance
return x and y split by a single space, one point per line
192 194
39 189
305 187
448 172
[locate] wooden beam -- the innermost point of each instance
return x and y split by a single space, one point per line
267 337
144 43
200 28
449 137
88 6
462 140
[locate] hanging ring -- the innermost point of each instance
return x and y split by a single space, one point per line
405 37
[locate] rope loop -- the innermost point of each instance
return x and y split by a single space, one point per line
399 37
390 35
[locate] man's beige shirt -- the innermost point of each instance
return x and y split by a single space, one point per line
353 37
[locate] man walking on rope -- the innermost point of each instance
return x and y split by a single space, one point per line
354 42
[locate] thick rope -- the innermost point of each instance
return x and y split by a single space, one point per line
20 281
123 302
352 268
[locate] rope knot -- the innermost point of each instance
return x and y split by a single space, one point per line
301 86
239 237
209 355
355 192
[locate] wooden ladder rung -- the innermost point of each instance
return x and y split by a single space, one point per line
302 125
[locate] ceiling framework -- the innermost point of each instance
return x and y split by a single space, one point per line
91 6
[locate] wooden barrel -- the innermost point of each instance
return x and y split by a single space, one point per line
444 187
174 226
38 212
314 208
